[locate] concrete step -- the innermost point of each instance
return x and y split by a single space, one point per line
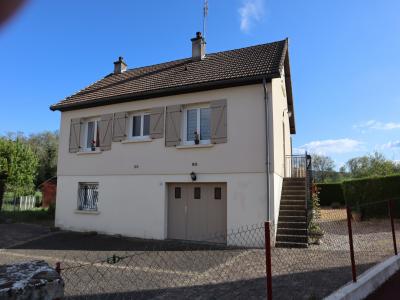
293 197
288 192
293 207
293 202
291 219
292 213
294 180
292 225
291 238
292 231
290 245
294 183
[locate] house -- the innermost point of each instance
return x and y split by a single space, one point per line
179 150
49 191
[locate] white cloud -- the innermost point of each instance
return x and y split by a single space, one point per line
391 145
373 124
329 147
251 12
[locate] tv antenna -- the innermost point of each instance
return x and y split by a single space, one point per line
205 14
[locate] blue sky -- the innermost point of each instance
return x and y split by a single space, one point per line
344 59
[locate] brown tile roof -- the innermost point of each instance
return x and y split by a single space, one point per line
222 69
246 63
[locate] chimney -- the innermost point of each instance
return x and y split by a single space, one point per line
198 47
120 66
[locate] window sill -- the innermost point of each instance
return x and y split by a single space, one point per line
194 146
97 151
138 140
87 212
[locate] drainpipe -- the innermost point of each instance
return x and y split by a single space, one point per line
267 162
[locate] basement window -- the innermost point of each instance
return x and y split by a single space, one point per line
88 196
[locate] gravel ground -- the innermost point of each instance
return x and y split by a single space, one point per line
171 270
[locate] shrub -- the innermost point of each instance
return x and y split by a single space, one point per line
330 193
52 210
362 195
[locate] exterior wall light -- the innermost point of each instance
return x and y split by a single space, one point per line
193 176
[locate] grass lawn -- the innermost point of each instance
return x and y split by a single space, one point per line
39 215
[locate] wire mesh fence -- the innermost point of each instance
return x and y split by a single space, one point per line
235 269
173 269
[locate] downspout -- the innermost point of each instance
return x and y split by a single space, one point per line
267 161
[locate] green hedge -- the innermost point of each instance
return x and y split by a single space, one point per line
330 193
362 195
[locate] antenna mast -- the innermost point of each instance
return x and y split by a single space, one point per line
205 14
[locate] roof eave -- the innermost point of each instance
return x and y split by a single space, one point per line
285 64
165 92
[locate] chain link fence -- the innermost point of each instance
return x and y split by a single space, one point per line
173 269
237 269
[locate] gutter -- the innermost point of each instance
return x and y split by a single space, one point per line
267 138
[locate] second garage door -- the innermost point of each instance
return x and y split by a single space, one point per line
197 211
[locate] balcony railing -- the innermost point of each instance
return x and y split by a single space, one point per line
299 166
88 196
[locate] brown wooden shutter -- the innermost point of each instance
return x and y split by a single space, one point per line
157 122
218 121
119 126
173 123
75 135
105 131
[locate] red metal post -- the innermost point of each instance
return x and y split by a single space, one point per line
268 263
353 262
390 205
58 268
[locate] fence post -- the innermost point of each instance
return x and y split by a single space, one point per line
268 267
58 268
353 263
390 204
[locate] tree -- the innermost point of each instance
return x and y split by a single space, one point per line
45 145
371 165
323 167
19 165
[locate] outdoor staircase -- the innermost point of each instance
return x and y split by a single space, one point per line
292 221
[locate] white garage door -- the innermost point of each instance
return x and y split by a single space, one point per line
197 211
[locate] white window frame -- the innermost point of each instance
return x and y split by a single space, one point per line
130 127
184 127
85 133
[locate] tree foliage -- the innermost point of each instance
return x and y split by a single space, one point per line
45 147
371 165
323 167
374 164
19 164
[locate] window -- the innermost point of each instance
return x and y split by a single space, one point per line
217 193
197 125
139 127
90 137
88 196
197 193
177 193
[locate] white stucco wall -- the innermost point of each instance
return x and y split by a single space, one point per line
136 205
133 201
281 130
